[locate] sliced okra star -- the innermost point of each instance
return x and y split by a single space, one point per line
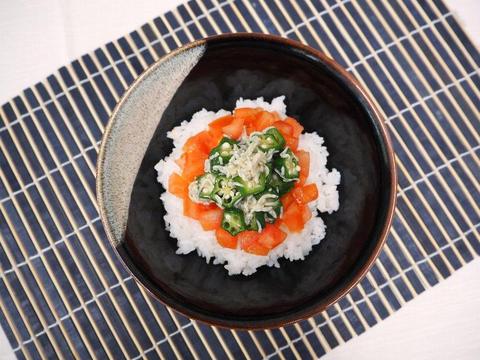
270 139
206 185
251 187
233 221
278 137
257 222
225 194
280 186
286 165
221 154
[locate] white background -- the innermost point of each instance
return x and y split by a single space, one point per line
37 37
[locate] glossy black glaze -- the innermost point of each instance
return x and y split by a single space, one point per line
233 68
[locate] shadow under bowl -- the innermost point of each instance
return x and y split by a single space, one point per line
212 74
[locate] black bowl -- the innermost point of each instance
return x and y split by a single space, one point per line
326 99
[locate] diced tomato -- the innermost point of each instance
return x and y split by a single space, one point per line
310 193
271 236
221 122
287 199
305 194
177 185
292 217
275 114
247 237
247 114
278 222
195 210
197 142
250 128
284 128
181 161
264 120
302 179
194 165
297 193
214 137
304 162
306 213
249 243
225 239
204 141
211 219
234 129
291 142
296 127
257 119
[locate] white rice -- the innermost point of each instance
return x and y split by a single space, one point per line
189 233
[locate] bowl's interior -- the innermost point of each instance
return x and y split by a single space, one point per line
323 102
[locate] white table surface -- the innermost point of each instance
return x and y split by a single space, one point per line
442 323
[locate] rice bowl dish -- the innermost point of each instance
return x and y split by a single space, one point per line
260 146
323 98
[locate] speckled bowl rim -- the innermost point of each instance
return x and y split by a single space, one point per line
303 312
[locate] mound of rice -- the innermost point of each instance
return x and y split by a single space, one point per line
189 233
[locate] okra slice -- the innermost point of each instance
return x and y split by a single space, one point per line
270 139
286 165
206 185
221 154
251 187
233 221
225 193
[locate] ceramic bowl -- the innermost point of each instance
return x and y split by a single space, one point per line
213 73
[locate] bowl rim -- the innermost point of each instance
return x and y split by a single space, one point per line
295 315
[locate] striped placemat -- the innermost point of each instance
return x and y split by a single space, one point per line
64 294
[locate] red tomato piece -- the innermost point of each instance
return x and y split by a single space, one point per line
247 114
292 217
214 137
194 165
304 162
304 194
271 237
297 193
296 127
284 128
178 186
264 120
225 239
181 161
291 142
211 219
221 122
195 210
310 193
306 213
234 129
249 243
287 199
197 142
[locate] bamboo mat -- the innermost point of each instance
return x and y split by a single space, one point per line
64 294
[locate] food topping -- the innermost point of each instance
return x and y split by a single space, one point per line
244 174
